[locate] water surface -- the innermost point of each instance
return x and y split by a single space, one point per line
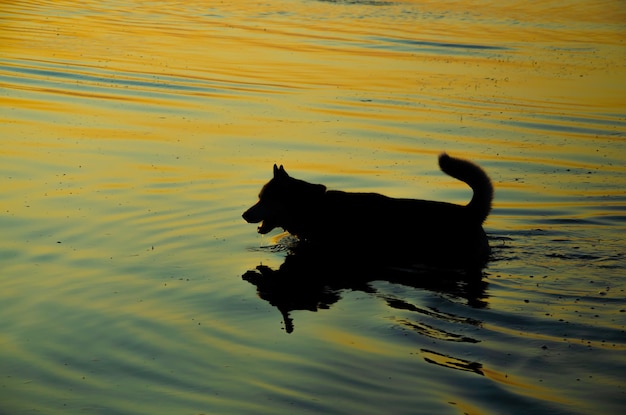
135 134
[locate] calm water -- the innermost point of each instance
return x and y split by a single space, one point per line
134 134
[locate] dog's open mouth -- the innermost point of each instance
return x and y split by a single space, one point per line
265 227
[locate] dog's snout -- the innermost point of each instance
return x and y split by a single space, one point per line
246 216
252 215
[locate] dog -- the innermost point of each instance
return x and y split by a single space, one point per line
371 223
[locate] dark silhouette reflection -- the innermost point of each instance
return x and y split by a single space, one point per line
452 362
313 279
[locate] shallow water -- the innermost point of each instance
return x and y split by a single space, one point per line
135 135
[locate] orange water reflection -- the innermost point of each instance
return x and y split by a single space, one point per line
134 135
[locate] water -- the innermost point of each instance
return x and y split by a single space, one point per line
135 135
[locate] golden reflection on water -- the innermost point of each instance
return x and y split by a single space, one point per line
133 136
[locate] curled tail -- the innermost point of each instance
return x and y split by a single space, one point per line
476 178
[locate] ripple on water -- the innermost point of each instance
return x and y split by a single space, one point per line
134 141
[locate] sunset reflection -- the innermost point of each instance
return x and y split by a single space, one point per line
135 134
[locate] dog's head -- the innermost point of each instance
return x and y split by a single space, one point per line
270 209
282 201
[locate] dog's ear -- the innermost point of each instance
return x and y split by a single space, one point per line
279 172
